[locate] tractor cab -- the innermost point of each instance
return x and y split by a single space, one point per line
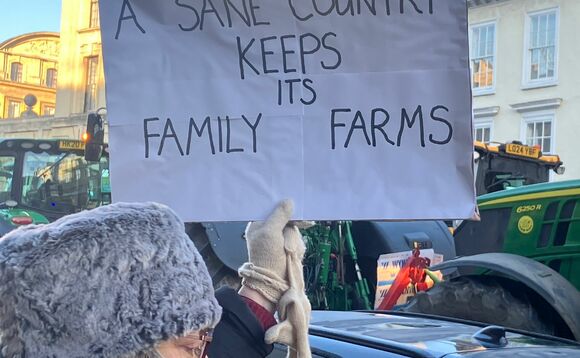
511 165
47 179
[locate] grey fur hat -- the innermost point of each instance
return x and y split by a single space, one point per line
108 282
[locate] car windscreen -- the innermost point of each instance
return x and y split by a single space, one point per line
64 183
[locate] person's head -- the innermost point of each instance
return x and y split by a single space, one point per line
122 280
193 345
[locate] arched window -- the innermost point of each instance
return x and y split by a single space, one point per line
16 72
51 77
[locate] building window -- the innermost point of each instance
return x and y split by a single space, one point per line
48 109
541 48
538 130
482 130
94 19
51 77
16 72
91 64
483 57
13 108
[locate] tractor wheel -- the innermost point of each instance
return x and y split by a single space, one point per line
483 299
221 275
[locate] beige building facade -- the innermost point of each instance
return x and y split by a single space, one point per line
525 82
29 65
81 87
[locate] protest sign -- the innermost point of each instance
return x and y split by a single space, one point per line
355 109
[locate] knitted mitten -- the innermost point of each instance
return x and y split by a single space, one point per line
266 270
294 307
276 250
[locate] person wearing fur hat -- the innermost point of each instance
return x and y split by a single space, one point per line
124 280
121 280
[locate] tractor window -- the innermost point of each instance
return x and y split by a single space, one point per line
549 217
551 211
545 235
63 183
568 209
6 171
564 224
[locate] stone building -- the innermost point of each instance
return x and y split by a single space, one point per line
82 86
29 65
524 78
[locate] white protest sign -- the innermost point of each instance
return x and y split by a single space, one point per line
355 109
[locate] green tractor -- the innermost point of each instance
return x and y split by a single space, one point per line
43 180
519 266
541 222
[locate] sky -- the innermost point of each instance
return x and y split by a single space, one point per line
18 17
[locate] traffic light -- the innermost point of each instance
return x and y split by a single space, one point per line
94 138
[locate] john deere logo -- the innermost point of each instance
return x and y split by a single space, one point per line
526 224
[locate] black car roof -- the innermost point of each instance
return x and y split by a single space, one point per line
416 335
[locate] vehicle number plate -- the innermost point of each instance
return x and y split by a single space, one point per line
71 145
523 150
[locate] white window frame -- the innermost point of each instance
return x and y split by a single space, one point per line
491 89
9 103
540 116
486 122
527 82
44 108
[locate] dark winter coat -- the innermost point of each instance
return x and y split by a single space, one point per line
239 333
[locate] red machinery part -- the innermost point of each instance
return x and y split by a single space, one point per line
412 272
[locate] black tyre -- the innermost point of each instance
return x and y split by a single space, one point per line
483 299
221 275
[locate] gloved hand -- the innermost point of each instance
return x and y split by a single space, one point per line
276 250
293 308
266 270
